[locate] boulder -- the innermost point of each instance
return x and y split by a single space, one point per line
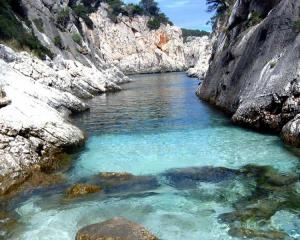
115 229
291 132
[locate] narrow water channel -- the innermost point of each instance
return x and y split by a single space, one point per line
189 157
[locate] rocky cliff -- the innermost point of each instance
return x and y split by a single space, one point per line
254 69
134 48
127 43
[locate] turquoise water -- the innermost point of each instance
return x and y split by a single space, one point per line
156 124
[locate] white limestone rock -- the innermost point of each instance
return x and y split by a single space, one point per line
130 45
197 54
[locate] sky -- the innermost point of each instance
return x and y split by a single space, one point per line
190 14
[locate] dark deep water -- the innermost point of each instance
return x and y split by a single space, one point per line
154 125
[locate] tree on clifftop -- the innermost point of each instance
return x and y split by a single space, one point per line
150 7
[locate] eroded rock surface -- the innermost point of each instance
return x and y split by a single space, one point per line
254 72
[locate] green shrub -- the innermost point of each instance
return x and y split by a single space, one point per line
115 8
63 17
38 22
133 10
14 34
77 38
255 19
153 24
150 7
83 12
296 26
58 42
193 33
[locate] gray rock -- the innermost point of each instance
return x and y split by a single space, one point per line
291 132
254 72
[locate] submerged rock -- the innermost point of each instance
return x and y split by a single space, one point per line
35 178
253 233
115 176
115 229
7 223
125 182
185 177
81 189
266 175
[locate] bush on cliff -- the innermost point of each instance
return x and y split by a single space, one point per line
63 17
83 12
296 26
150 7
14 34
77 38
58 42
155 22
133 10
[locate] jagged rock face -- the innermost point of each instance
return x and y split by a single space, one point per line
254 72
127 44
130 45
42 94
197 54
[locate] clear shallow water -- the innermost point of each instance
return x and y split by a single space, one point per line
156 124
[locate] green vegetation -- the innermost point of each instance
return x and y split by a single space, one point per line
255 19
220 8
155 21
133 10
273 64
14 34
77 38
116 7
58 42
63 17
150 7
193 33
83 12
38 22
296 26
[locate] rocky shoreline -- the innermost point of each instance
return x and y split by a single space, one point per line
34 124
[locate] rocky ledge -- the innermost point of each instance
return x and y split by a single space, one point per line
254 72
115 229
34 126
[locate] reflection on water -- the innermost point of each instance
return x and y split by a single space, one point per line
157 124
